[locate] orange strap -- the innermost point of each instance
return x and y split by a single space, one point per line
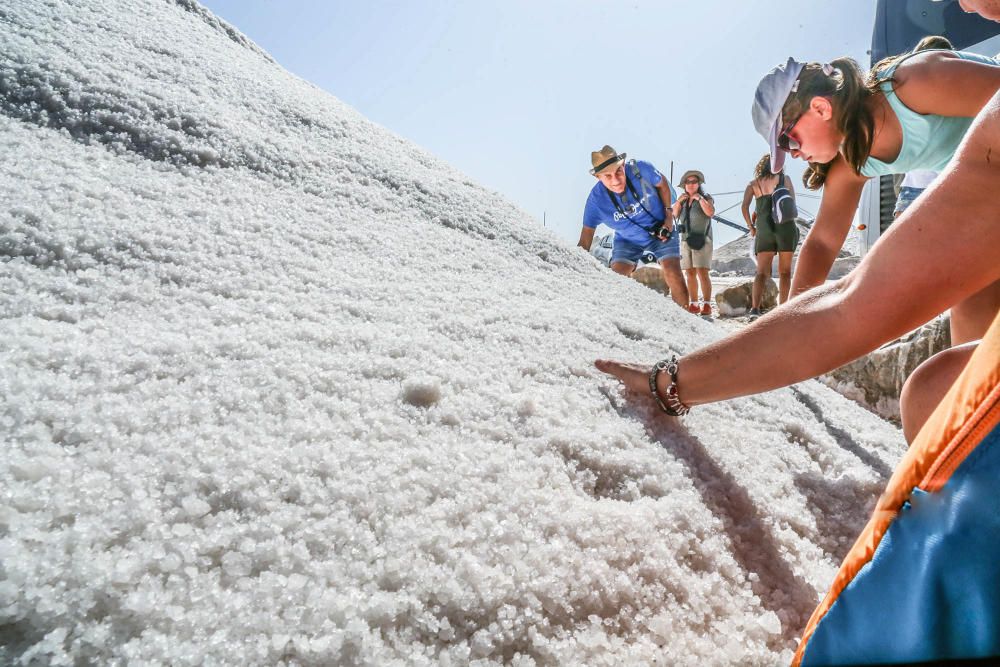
967 413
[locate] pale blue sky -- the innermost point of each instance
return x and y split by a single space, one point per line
517 93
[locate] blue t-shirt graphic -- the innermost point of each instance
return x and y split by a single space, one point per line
601 207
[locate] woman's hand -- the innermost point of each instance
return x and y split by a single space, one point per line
634 376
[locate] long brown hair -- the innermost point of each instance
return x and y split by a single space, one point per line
933 42
848 92
763 168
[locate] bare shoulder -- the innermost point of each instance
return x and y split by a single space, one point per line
940 82
764 186
923 62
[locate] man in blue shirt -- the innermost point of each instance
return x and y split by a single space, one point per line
634 199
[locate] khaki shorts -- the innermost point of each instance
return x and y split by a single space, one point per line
696 259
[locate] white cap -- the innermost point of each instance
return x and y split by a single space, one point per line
772 92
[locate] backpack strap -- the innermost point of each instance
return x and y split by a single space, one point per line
635 170
686 216
631 188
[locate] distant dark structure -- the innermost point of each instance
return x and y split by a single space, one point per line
900 24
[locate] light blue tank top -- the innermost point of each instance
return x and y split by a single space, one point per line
929 141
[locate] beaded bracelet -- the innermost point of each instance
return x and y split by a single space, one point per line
673 406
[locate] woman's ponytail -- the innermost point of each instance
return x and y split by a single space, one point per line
763 168
851 114
815 175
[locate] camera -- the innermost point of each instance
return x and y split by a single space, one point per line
657 231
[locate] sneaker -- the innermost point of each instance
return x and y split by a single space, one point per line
754 313
693 308
706 308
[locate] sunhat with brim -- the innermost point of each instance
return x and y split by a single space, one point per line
772 92
692 172
604 158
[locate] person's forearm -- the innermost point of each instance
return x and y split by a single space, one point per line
668 215
903 282
746 362
812 268
668 208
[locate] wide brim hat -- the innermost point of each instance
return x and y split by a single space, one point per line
604 158
772 92
692 172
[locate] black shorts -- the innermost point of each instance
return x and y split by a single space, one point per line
783 237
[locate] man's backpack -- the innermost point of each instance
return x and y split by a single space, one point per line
783 204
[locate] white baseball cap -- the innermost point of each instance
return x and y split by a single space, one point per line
772 92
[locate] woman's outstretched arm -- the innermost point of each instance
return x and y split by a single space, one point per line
942 249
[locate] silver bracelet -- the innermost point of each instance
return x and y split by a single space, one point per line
673 406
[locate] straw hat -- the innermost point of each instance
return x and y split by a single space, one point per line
604 158
692 172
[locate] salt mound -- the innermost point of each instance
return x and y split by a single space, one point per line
229 439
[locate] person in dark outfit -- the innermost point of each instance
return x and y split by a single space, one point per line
769 237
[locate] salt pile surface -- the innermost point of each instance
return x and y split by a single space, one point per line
278 386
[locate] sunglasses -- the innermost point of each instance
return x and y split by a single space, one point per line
691 180
785 142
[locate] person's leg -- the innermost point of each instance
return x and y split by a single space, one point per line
675 281
687 270
691 276
784 275
668 254
928 384
623 268
624 255
904 199
972 317
764 261
706 284
703 262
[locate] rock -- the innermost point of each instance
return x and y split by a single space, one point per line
736 256
736 300
876 379
651 275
